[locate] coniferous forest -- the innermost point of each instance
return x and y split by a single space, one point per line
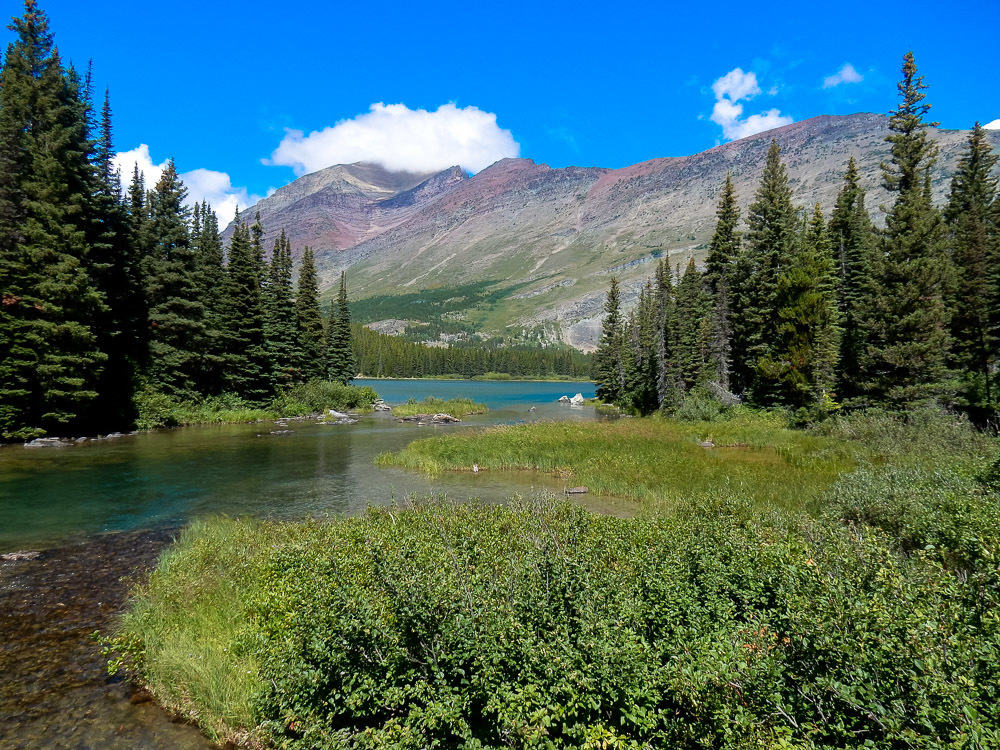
812 313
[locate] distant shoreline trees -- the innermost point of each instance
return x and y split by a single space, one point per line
798 312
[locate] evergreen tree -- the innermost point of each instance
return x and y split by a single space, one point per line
341 364
115 268
640 361
281 334
247 371
971 237
667 378
207 246
802 368
905 360
853 241
609 370
173 292
770 246
691 332
312 340
720 272
49 356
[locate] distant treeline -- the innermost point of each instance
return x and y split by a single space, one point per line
106 296
380 355
799 312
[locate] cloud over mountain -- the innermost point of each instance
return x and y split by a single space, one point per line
846 74
402 139
730 90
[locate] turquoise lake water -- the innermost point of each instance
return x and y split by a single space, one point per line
49 496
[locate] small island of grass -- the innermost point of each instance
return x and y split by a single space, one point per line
455 407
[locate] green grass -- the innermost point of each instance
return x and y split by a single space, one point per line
155 410
651 459
734 620
456 407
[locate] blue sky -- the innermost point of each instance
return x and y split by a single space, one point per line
217 86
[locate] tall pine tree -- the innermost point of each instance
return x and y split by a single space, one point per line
341 364
971 238
720 272
281 334
312 340
905 358
49 355
609 365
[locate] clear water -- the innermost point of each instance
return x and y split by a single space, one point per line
50 496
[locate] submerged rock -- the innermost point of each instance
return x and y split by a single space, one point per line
48 442
577 491
426 419
24 554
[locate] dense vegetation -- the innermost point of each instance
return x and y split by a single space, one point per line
718 623
381 355
796 311
106 295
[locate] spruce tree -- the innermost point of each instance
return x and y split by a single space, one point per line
312 340
341 363
971 238
691 329
207 246
720 273
173 292
640 393
247 371
801 370
280 326
853 241
667 379
905 359
49 356
609 371
770 246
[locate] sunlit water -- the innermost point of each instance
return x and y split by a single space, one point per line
52 495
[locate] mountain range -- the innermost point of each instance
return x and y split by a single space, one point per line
524 252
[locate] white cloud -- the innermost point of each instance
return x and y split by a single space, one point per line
995 125
202 184
400 138
846 74
729 90
736 85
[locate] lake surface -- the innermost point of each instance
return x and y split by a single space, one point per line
51 496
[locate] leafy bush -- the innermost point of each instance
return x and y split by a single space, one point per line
540 625
319 395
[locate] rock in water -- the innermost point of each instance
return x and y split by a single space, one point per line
577 400
577 491
563 400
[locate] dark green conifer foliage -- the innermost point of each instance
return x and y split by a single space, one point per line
173 292
720 273
609 365
971 238
340 361
640 393
207 245
312 339
115 268
247 371
905 359
853 240
802 368
691 329
770 245
49 357
667 378
281 333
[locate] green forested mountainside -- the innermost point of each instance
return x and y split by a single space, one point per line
380 355
799 312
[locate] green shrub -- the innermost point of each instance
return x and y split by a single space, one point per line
540 625
319 395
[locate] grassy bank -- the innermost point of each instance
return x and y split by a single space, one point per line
651 459
160 410
456 407
727 622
